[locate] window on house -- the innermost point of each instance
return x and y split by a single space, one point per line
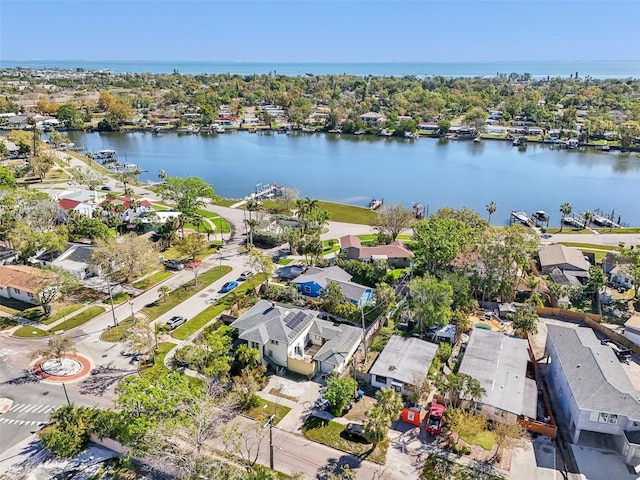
307 289
30 295
16 290
381 379
601 417
274 342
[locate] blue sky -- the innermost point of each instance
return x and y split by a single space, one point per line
320 31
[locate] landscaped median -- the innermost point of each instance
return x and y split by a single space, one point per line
180 294
152 280
79 319
332 434
200 320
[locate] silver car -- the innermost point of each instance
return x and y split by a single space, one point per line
175 322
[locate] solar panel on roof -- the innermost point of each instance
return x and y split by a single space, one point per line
294 321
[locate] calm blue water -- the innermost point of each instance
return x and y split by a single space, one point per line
595 69
352 170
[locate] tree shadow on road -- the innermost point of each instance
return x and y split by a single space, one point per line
26 377
102 378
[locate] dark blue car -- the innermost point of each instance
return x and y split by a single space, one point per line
227 287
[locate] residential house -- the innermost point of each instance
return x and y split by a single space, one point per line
372 118
132 208
227 122
535 131
19 282
11 147
69 205
75 259
403 364
500 363
297 339
315 280
18 121
396 254
91 197
562 259
595 395
428 126
632 328
620 276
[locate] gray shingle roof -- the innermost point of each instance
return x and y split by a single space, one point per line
499 363
322 276
341 340
561 255
405 359
594 374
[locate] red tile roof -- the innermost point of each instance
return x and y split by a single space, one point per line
68 204
393 250
349 241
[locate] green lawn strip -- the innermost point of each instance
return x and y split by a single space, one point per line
91 163
118 298
348 213
201 319
285 261
217 220
332 434
173 254
158 367
266 408
396 272
29 331
117 333
180 294
598 254
592 246
6 323
226 202
485 439
61 314
328 250
152 280
568 230
81 318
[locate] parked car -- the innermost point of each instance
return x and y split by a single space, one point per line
106 188
173 265
435 419
227 287
246 275
175 322
356 431
321 403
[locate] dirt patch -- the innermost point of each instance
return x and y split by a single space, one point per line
359 409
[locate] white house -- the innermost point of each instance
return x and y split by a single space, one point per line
85 209
297 339
75 259
632 328
402 364
372 118
19 282
620 276
594 392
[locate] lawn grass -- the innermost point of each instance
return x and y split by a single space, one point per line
485 439
179 295
118 298
592 246
285 261
568 230
172 253
332 434
152 280
266 408
348 213
117 333
68 310
81 318
201 319
28 331
328 250
6 323
227 202
158 367
217 220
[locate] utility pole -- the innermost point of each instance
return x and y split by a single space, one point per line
113 312
64 387
270 425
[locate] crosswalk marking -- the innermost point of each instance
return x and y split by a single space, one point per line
32 408
10 421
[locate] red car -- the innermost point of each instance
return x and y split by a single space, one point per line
435 419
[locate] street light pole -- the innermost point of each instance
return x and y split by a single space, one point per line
132 313
113 312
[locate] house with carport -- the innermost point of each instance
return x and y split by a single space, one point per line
312 283
500 363
595 394
403 364
297 339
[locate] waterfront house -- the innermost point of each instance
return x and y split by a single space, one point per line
313 282
569 260
403 364
227 122
594 393
69 205
500 363
396 254
296 339
535 131
372 118
20 282
91 197
428 126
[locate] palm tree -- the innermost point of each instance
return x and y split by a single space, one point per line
491 208
566 210
251 223
587 215
375 427
163 290
248 356
389 402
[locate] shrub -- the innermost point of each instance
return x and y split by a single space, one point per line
267 239
69 434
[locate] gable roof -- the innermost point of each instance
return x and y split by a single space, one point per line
322 276
68 204
350 241
499 363
597 381
405 359
557 255
20 277
341 340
